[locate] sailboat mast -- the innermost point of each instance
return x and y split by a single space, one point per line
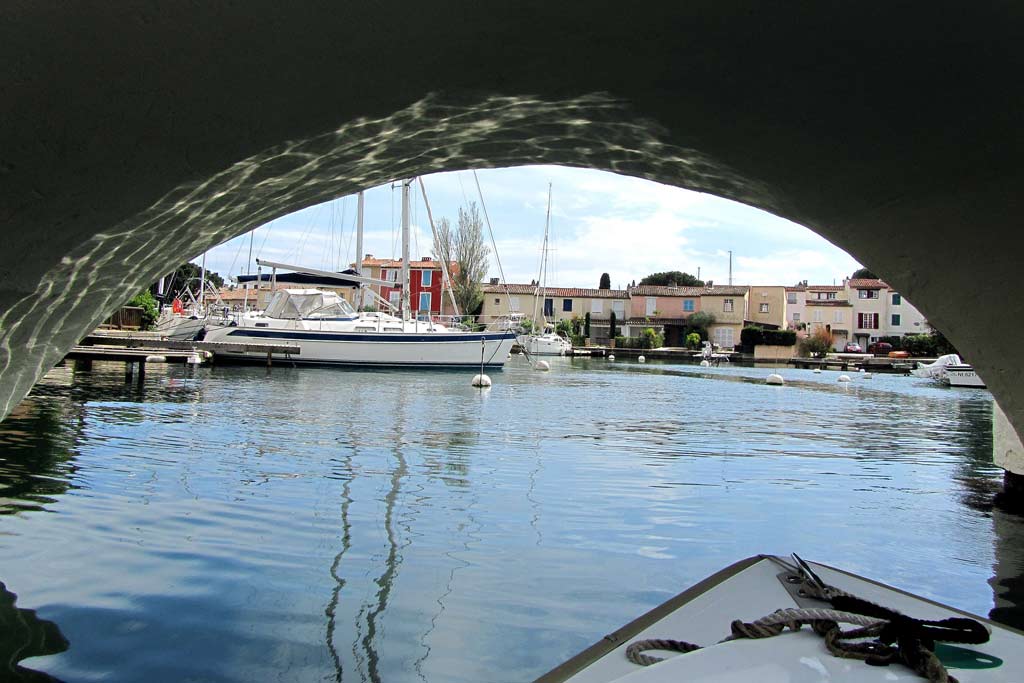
359 247
405 248
542 276
202 283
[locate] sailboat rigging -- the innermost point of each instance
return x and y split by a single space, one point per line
329 331
545 342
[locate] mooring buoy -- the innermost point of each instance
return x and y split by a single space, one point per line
641 359
611 356
156 359
542 365
705 364
843 378
775 379
481 381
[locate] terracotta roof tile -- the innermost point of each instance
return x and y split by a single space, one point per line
866 283
716 290
566 292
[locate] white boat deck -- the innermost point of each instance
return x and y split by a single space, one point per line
750 590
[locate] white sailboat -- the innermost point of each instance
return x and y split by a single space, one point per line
546 342
329 331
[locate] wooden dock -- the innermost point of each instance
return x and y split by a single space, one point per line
138 350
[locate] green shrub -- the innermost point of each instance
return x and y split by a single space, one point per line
751 336
147 303
778 337
649 339
817 344
693 341
920 345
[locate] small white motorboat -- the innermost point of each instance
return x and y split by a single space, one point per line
951 370
767 619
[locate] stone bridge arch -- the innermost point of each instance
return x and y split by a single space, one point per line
139 133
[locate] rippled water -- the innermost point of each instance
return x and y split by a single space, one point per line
235 524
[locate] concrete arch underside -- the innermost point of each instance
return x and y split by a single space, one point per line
137 134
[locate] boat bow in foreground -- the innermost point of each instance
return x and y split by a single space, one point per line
734 616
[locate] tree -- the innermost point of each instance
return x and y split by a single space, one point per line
606 281
693 340
586 326
863 274
699 322
465 247
188 275
672 277
611 326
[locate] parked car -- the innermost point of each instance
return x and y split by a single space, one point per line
879 348
853 347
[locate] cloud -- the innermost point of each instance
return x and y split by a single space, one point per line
601 222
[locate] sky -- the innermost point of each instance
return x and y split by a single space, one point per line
600 223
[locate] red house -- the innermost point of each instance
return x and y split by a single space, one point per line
425 291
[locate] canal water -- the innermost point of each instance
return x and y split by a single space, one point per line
240 524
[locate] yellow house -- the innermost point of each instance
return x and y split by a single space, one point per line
767 306
728 303
557 303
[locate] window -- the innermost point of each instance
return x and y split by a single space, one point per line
497 301
837 317
549 307
867 293
566 304
391 275
727 307
796 317
723 337
424 301
895 319
619 309
896 299
790 297
651 304
513 304
830 295
393 299
596 306
688 305
427 277
867 321
817 315
764 308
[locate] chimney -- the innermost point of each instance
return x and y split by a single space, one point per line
494 280
425 258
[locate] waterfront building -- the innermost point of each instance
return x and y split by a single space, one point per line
767 306
666 308
729 305
558 303
427 296
878 311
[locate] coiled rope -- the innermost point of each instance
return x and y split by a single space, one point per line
897 637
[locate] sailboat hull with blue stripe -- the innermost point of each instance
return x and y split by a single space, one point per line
328 332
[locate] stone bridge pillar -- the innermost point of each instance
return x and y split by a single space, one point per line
1008 453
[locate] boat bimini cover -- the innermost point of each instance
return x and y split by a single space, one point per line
296 304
